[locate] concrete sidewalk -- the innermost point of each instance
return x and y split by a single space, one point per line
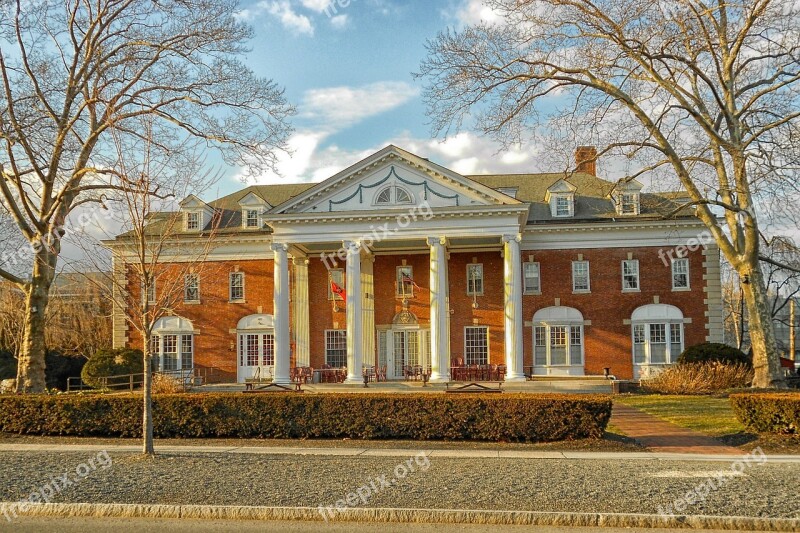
392 452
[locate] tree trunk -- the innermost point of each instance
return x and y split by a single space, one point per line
766 362
147 395
31 367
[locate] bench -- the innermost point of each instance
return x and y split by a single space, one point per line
474 387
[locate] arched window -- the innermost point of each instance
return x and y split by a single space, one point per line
657 337
384 197
393 195
558 341
256 347
172 344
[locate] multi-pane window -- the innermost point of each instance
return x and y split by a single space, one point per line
630 275
475 279
257 349
268 349
192 221
531 277
563 206
251 218
629 204
680 273
191 288
236 286
558 345
404 285
187 352
336 348
657 343
580 276
337 277
476 345
170 352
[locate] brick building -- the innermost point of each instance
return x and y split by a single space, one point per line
548 274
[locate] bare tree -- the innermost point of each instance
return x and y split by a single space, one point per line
73 72
153 266
705 93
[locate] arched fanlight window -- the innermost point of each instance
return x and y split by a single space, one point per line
657 337
384 197
558 339
172 344
393 195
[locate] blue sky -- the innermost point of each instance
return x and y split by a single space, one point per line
349 72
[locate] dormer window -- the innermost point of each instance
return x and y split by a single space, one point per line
563 206
251 218
393 195
629 204
192 221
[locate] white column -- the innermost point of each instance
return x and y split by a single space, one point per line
353 312
440 314
368 309
513 307
301 320
281 314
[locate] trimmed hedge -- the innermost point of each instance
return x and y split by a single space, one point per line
108 362
489 417
768 412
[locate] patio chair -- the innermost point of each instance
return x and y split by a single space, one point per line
380 373
501 372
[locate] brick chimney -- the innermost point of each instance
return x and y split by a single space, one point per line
586 159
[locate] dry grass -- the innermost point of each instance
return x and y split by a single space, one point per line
166 385
699 378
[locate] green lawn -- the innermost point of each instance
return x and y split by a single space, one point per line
712 416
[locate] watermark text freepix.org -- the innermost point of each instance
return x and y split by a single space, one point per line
362 495
692 245
57 484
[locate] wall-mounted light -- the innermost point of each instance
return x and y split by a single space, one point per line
232 346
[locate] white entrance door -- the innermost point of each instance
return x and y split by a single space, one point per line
401 348
256 356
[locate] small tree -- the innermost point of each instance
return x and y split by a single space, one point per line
153 259
707 93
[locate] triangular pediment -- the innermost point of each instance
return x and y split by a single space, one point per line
253 200
193 202
393 179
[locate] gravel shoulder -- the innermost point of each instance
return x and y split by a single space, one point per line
562 485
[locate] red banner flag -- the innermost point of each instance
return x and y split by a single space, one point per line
407 278
338 291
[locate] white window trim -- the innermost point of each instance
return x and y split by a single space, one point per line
525 290
488 342
199 221
636 204
638 276
393 196
570 205
588 288
230 288
671 358
688 286
158 355
146 294
548 344
245 212
483 280
397 279
332 296
196 300
327 346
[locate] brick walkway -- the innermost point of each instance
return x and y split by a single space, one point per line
660 436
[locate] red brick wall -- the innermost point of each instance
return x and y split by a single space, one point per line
607 342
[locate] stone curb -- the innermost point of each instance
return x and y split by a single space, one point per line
435 516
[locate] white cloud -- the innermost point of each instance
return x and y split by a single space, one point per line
333 108
288 17
317 5
340 21
472 12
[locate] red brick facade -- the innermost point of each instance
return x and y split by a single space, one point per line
607 339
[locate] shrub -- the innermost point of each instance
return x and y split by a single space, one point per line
713 351
8 365
165 384
107 363
768 412
490 417
699 378
58 367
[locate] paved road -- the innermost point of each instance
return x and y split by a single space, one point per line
122 525
761 489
